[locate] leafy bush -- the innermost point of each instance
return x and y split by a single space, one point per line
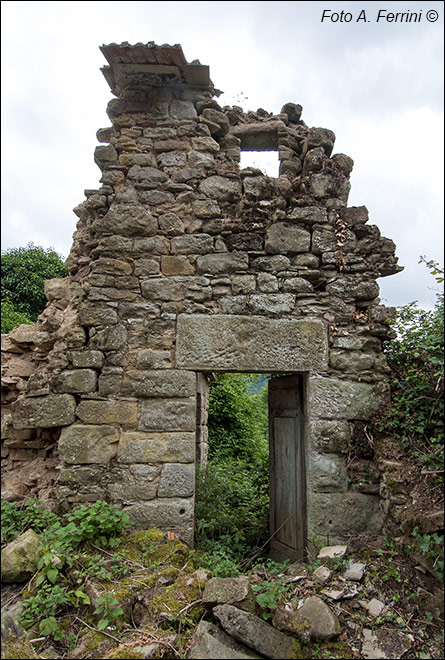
23 273
232 502
417 362
17 518
63 568
432 546
11 318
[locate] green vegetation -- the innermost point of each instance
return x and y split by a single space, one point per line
232 503
238 418
11 318
417 361
23 272
415 418
64 566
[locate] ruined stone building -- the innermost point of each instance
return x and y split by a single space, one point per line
184 265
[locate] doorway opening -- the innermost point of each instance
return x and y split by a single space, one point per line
250 490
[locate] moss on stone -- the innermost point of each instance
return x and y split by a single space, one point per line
18 648
125 652
297 650
176 597
93 644
335 649
150 548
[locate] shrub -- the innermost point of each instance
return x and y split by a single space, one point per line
64 566
232 501
417 362
23 273
11 318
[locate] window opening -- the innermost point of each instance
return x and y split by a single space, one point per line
266 161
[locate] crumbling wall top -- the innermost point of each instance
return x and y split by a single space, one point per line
140 67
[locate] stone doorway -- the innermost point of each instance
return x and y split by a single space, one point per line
286 446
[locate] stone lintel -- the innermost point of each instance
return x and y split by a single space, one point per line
250 343
258 136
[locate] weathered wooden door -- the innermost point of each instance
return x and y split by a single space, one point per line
287 468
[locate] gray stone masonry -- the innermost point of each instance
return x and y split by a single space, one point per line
183 264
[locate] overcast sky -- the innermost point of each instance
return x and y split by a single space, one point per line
377 84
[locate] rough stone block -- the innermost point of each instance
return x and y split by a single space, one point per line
351 361
130 491
209 641
150 176
108 412
271 264
254 632
94 314
159 383
127 220
255 343
137 447
329 436
243 284
76 381
177 265
283 238
163 289
274 303
172 159
177 480
335 516
322 185
62 288
88 443
327 473
157 245
81 475
206 208
182 110
43 412
309 215
330 398
20 557
170 514
233 591
222 263
192 244
168 415
150 359
86 358
171 224
296 285
221 188
200 159
320 137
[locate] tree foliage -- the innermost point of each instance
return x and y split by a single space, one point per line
11 318
23 273
237 418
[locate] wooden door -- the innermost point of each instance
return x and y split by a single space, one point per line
287 477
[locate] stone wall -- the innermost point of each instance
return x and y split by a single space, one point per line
182 265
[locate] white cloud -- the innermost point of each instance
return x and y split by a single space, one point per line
377 86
